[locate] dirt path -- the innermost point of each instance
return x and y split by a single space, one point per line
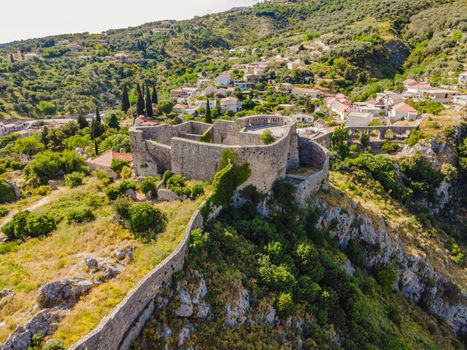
43 201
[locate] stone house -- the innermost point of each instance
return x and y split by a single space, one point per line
231 104
402 111
356 119
462 80
305 92
224 79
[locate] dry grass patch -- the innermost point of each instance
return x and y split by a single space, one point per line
61 255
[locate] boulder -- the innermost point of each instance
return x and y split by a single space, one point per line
166 195
91 262
131 194
64 292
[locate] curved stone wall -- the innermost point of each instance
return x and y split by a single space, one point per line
123 325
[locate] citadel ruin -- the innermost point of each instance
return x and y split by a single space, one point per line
194 150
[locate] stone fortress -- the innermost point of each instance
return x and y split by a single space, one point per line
194 150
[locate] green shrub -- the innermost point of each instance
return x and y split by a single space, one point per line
45 166
354 149
197 190
415 136
421 177
42 190
449 172
149 184
266 137
381 169
198 240
118 164
114 191
386 276
144 217
4 212
122 207
390 147
284 304
167 175
7 194
54 345
74 179
176 181
81 216
25 224
103 177
126 173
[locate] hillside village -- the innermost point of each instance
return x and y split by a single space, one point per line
290 175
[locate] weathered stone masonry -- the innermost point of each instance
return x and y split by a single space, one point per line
177 148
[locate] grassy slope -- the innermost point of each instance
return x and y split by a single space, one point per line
60 255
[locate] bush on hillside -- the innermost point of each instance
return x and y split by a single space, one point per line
74 179
81 216
7 194
114 191
422 178
149 184
118 164
144 218
25 224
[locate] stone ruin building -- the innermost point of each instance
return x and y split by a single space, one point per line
179 148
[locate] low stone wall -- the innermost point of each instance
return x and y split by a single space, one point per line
126 321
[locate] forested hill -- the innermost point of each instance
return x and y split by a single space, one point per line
361 42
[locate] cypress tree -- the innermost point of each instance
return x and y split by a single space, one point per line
155 98
208 117
148 104
140 102
96 126
96 148
82 122
112 122
125 100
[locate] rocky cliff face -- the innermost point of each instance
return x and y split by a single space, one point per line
417 279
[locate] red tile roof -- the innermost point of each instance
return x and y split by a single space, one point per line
105 159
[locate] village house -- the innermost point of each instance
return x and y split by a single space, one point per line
438 95
231 104
224 79
390 98
31 56
180 108
252 78
297 64
6 129
203 104
104 161
283 87
320 123
356 119
242 85
462 80
402 111
460 100
340 105
303 118
305 92
203 83
416 89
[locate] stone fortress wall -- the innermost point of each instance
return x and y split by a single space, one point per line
154 149
177 148
122 326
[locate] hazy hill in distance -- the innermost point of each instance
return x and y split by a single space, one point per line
367 41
